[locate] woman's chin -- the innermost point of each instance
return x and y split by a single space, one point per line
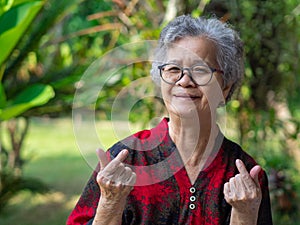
185 112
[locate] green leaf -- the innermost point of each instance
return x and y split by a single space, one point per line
5 5
35 95
17 2
13 23
2 96
15 16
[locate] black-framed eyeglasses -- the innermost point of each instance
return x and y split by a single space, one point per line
200 74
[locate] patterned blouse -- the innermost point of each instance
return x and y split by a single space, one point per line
163 193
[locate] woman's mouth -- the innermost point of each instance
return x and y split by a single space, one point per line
187 96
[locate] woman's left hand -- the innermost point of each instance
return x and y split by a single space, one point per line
243 193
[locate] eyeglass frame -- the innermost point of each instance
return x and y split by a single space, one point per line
189 73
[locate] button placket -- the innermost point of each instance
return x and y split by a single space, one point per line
192 198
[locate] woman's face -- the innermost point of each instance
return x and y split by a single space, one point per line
185 98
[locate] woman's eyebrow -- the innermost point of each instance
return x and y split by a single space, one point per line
176 61
199 62
194 62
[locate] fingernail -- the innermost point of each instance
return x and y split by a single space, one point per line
238 162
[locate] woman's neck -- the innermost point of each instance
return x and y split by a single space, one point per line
193 137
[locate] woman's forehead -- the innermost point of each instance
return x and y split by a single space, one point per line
192 61
192 50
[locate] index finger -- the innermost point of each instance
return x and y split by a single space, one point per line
241 168
113 164
249 181
102 158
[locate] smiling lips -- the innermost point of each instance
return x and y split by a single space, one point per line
187 96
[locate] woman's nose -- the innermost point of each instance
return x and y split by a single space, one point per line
186 80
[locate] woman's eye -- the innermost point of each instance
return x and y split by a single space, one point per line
200 69
173 69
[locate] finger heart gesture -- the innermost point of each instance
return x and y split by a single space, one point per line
114 178
243 191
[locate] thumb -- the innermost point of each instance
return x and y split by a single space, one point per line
102 158
254 172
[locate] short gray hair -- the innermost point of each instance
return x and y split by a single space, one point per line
228 45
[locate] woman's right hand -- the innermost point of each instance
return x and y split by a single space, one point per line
114 178
115 181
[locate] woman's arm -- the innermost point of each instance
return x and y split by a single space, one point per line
115 181
109 212
243 193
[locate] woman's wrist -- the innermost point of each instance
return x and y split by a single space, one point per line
243 217
109 212
110 204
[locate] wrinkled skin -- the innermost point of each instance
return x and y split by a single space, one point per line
243 193
115 181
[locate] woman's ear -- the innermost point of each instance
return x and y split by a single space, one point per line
226 90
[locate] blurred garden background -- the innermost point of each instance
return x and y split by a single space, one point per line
45 47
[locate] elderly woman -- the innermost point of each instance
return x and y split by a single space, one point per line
184 171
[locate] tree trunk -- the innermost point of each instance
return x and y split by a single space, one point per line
17 134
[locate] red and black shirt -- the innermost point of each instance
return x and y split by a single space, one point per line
163 194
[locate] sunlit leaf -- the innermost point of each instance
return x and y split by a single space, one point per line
14 16
13 23
17 2
5 5
35 95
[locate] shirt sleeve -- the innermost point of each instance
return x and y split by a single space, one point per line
265 214
85 209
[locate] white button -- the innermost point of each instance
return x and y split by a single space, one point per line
192 190
192 198
192 206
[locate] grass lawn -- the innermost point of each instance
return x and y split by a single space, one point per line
57 160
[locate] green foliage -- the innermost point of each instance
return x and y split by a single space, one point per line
14 20
266 28
13 23
34 95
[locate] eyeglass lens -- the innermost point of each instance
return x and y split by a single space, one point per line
171 73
